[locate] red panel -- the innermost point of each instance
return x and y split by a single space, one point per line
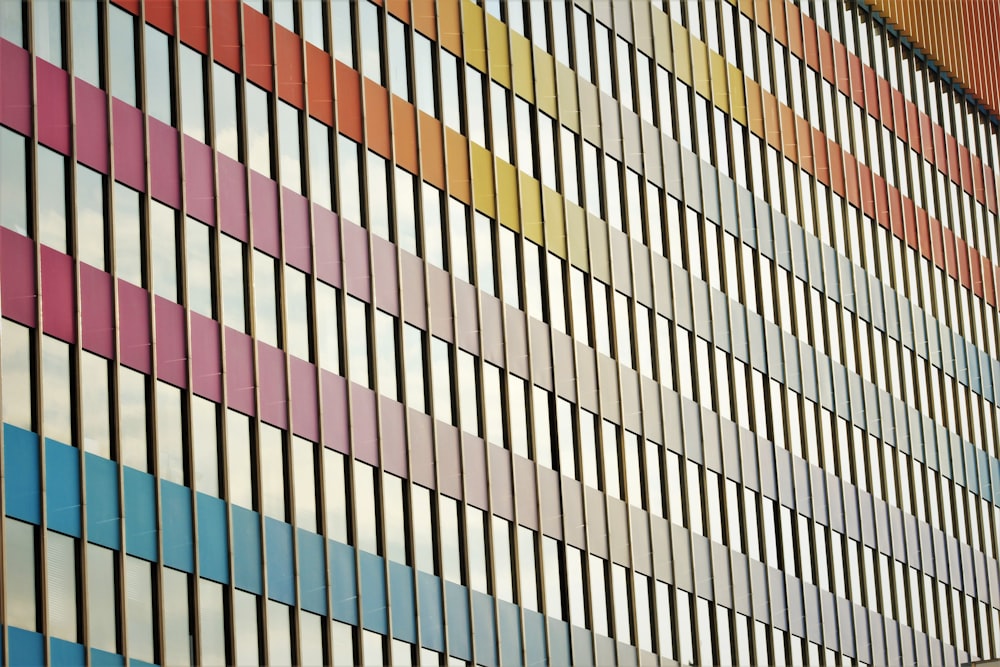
896 223
58 295
924 234
349 102
951 145
989 291
842 68
264 213
129 5
803 133
820 158
867 189
199 180
291 80
194 24
129 145
976 269
857 74
881 201
97 314
225 33
134 340
870 91
171 342
377 119
326 228
793 16
91 126
15 81
164 171
937 242
836 157
17 277
335 423
853 191
305 399
298 245
826 58
53 106
233 202
272 385
964 273
910 223
257 48
318 64
951 261
161 14
978 186
965 169
811 45
206 358
885 103
239 371
939 158
913 126
926 138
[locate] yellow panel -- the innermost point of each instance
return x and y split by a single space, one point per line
524 78
576 236
509 216
531 208
682 56
555 227
661 38
569 102
474 35
699 66
499 55
737 95
720 90
482 180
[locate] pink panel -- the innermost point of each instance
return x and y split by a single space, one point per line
233 199
422 448
501 482
272 385
305 403
326 227
264 210
393 436
439 295
474 471
449 460
91 126
239 371
58 295
130 158
171 347
53 106
356 261
364 430
133 322
386 276
206 357
295 216
97 312
15 82
414 301
164 169
199 180
17 277
335 427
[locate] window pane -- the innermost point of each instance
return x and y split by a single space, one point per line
163 237
205 443
305 483
366 508
258 123
178 640
394 513
169 433
232 255
128 236
358 367
371 42
265 298
122 36
139 608
335 493
290 140
51 196
379 197
297 323
441 375
90 208
279 637
15 366
102 599
94 399
399 66
200 291
132 419
343 31
245 620
159 95
413 353
320 183
348 174
272 468
20 547
224 110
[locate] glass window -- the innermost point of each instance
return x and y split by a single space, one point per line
86 52
128 236
320 183
527 559
335 494
94 400
232 256
399 62
123 51
405 205
379 197
502 567
592 177
451 83
20 549
132 419
265 286
225 92
609 446
279 636
602 317
458 230
311 644
542 421
297 320
485 253
441 374
328 326
50 185
314 30
358 366
169 433
343 31
517 402
423 72
571 181
139 608
290 142
623 329
605 62
193 93
451 549
475 531
468 377
258 123
212 623
599 595
623 53
557 292
246 635
582 42
178 640
475 101
366 512
371 42
200 290
493 404
432 214
272 467
509 273
613 193
205 443
566 441
57 405
102 596
526 140
394 511
90 208
548 150
163 233
533 290
386 356
14 181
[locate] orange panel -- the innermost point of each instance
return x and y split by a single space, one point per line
161 14
827 63
964 274
991 193
803 133
853 190
820 158
978 187
789 143
885 103
937 242
257 31
772 121
913 126
965 169
349 102
318 68
404 134
194 25
459 182
899 115
989 290
755 109
400 9
762 12
952 155
778 27
867 189
939 157
879 187
870 91
857 74
926 138
226 33
794 16
896 213
450 23
924 234
432 150
910 223
976 267
842 66
836 158
377 118
291 80
948 245
811 44
424 17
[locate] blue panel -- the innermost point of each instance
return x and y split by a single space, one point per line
99 658
140 514
343 587
583 648
510 633
26 647
213 545
66 654
246 550
431 618
280 561
402 606
62 487
139 663
103 515
485 629
459 637
534 638
559 652
312 572
21 475
373 607
178 540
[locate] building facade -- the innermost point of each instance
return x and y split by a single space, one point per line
525 332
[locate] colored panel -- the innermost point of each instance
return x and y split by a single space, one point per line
272 385
526 76
319 67
405 134
482 179
133 321
17 277
559 642
164 171
386 275
96 310
290 73
58 295
450 25
459 639
343 586
349 118
178 535
509 215
62 487
335 425
99 658
25 647
225 32
199 180
474 35
295 216
160 13
280 561
377 119
264 210
246 550
239 371
257 47
22 490
356 268
424 18
171 342
364 424
402 605
103 516
213 540
326 228
52 90
140 514
129 145
233 206
534 637
66 654
15 80
510 633
91 125
485 629
432 150
459 181
499 56
206 357
312 572
431 611
305 406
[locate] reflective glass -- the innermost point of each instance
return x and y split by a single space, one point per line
102 598
94 402
178 638
205 445
50 184
232 257
90 210
163 243
297 320
13 181
159 93
272 468
139 608
290 143
20 557
169 433
258 124
200 288
212 623
265 298
121 31
132 427
128 235
246 635
224 111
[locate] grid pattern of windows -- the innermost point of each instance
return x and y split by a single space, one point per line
500 332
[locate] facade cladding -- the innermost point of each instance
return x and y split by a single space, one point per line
519 333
